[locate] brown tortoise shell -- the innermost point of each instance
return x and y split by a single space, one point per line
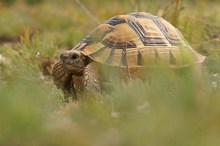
138 39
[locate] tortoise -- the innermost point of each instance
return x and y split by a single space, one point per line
128 41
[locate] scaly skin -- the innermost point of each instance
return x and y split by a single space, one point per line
90 80
63 80
61 76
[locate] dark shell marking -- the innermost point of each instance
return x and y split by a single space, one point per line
115 21
137 39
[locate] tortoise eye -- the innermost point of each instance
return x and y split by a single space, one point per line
74 56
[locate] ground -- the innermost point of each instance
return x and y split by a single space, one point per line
175 109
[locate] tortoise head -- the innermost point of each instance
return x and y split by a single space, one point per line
73 61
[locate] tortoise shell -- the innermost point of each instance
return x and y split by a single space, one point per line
138 39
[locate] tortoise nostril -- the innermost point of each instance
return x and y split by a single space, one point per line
74 56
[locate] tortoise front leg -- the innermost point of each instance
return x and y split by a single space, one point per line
91 79
63 80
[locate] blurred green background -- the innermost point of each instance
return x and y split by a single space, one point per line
174 110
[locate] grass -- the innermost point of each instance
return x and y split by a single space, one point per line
174 110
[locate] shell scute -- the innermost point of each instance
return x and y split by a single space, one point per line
149 33
121 37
